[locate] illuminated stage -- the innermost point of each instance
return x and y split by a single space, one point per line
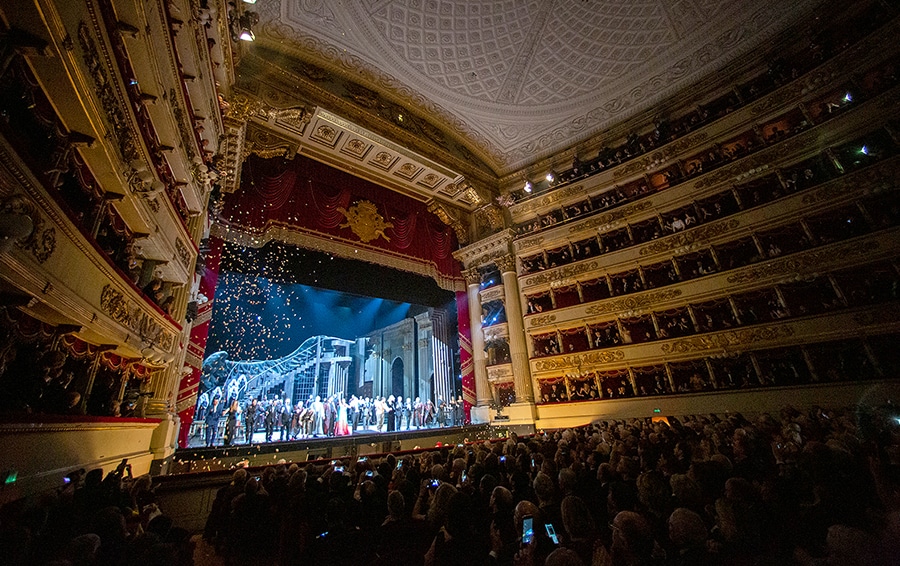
218 458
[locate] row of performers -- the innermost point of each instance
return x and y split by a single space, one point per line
334 416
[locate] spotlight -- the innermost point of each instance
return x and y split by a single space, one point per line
864 150
848 97
528 186
247 34
550 178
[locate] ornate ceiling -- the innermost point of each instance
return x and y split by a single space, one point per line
508 81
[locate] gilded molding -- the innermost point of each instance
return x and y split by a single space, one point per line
883 315
528 243
542 320
132 316
486 250
500 374
562 272
693 236
660 156
42 240
505 263
805 262
546 200
880 176
450 219
365 221
472 276
577 361
113 106
633 302
492 294
743 337
612 216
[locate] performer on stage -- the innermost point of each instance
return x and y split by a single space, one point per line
391 414
418 413
429 414
354 411
231 422
407 412
271 416
341 428
286 415
441 411
250 419
318 417
212 422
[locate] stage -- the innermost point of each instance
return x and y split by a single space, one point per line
363 442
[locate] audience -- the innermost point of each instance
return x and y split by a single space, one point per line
808 488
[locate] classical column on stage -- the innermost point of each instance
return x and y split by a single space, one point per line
518 352
522 411
482 387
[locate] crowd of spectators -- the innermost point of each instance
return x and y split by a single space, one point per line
806 487
825 43
93 520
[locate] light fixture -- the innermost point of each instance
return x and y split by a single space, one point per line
528 186
249 1
246 34
550 177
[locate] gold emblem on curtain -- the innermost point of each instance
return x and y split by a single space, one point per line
364 220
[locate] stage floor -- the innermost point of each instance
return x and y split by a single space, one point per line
197 440
198 458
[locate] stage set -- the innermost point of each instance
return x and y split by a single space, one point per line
394 379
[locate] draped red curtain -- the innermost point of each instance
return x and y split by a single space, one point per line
307 196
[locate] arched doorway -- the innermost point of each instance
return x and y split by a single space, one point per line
397 378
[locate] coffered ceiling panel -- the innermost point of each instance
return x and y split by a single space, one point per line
517 80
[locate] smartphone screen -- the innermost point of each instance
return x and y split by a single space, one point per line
527 529
464 476
551 532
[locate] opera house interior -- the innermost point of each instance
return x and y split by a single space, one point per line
639 209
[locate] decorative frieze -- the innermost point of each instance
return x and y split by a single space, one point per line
42 240
730 339
885 315
542 320
633 302
113 107
492 294
611 216
528 242
546 200
500 374
578 361
803 263
561 272
880 177
690 237
133 317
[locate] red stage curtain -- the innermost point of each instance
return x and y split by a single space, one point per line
305 195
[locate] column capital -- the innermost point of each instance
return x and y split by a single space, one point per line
505 263
472 276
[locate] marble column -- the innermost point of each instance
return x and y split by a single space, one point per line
518 351
483 396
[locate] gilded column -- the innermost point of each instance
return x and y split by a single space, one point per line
518 350
483 395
